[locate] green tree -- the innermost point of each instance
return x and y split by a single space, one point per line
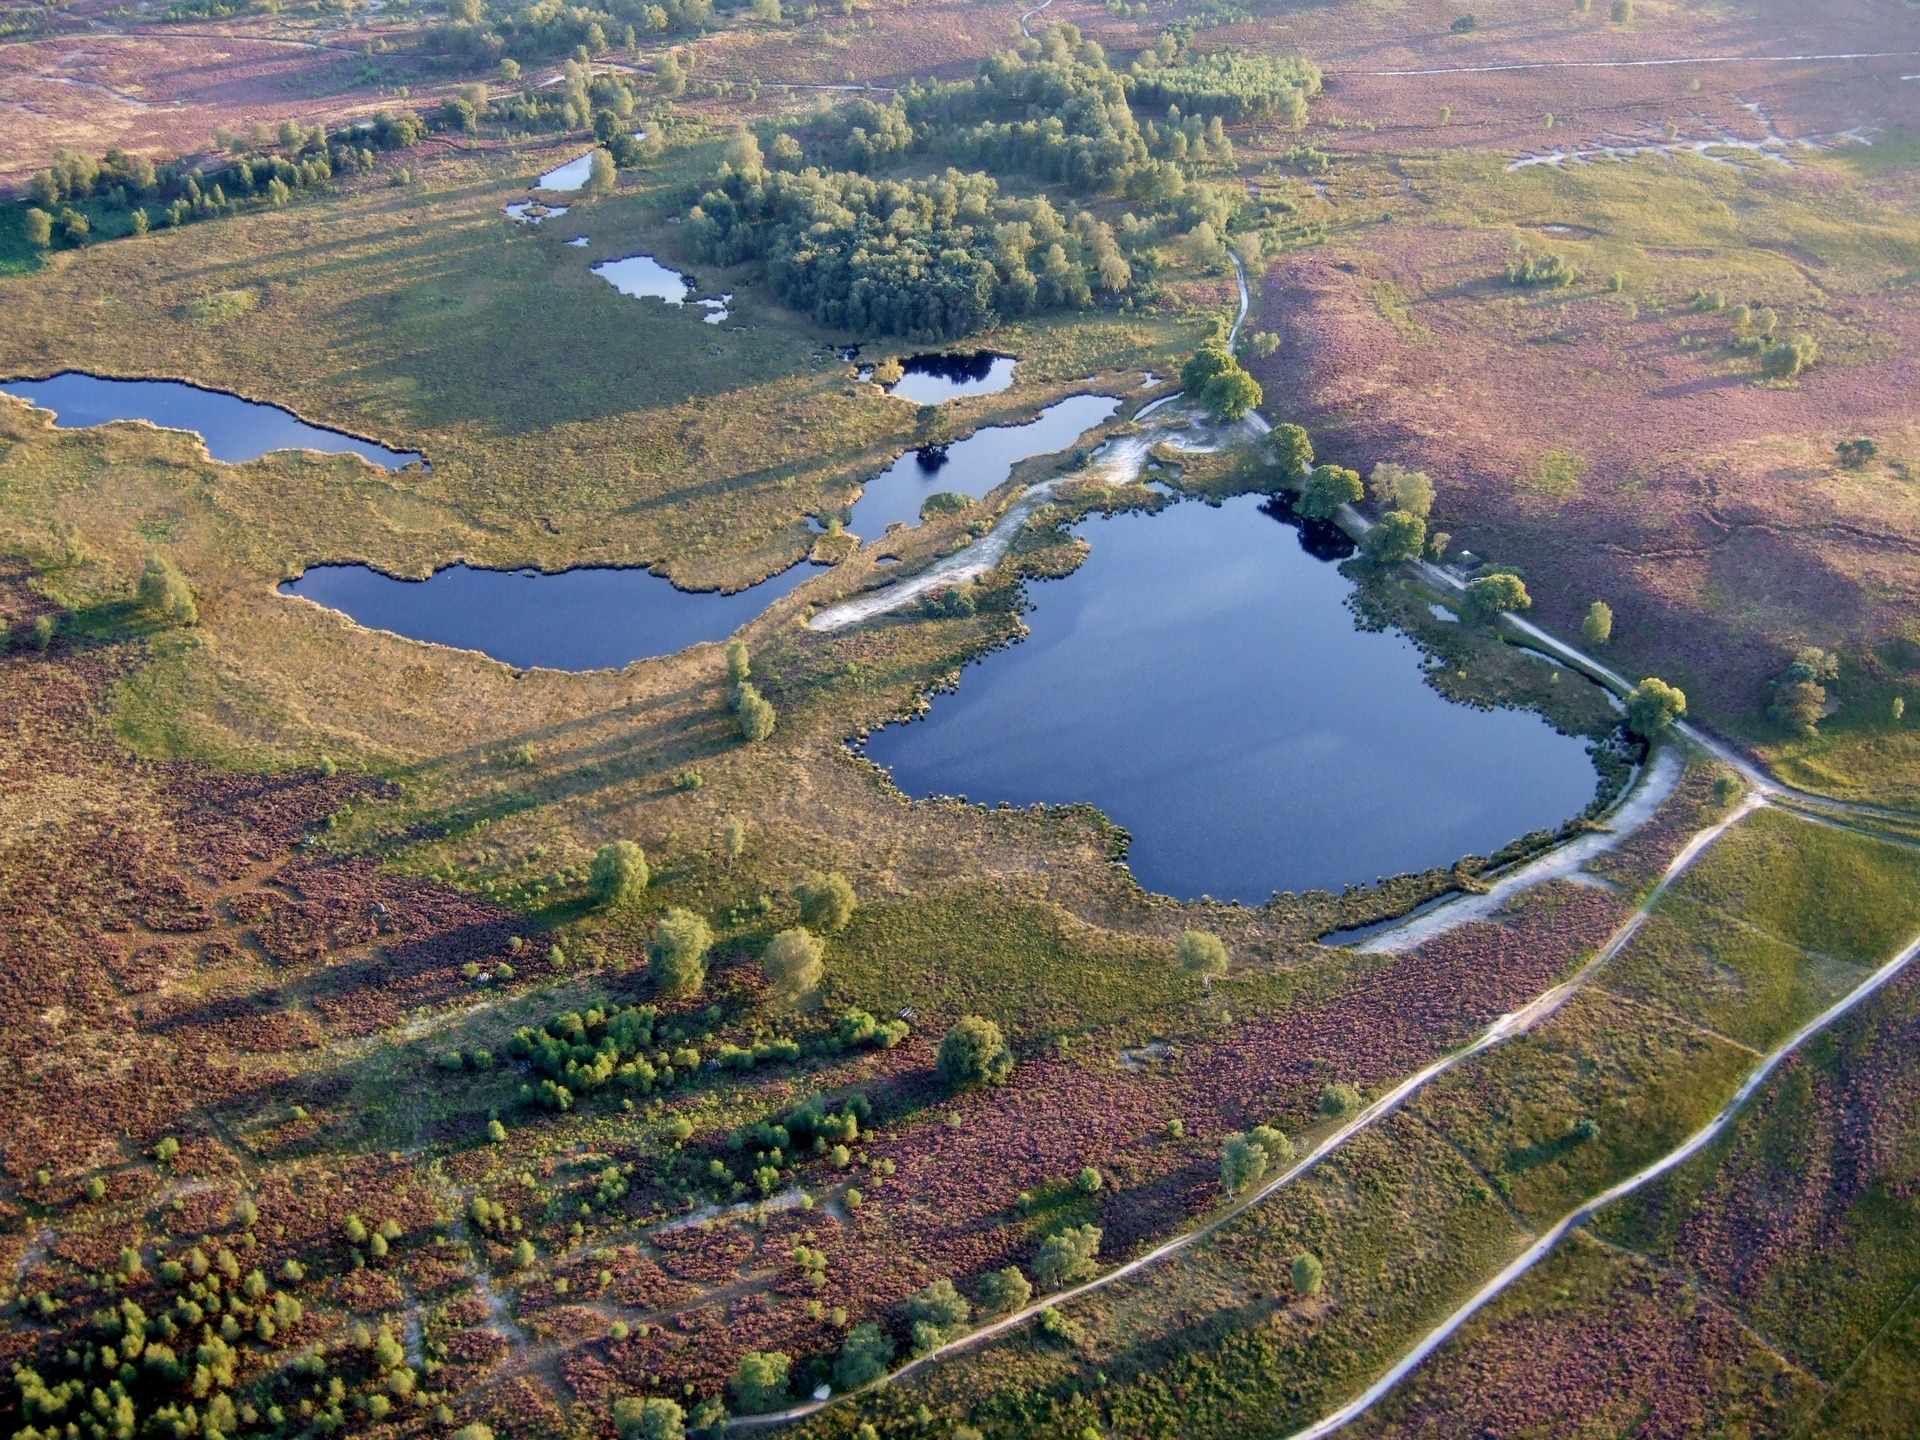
1293 452
601 175
1326 490
1242 1162
39 228
671 78
1229 396
1789 359
1308 1274
1067 1256
794 964
1202 954
1398 537
1493 594
1598 626
733 838
739 663
937 1314
1652 706
619 872
760 1380
1856 454
755 713
974 1052
1002 1291
1208 361
164 592
677 954
652 1418
864 1357
1800 694
826 901
1394 487
1339 1100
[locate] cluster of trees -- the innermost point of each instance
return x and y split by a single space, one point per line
752 711
1245 1158
1237 85
1800 693
64 200
478 35
1542 272
577 1054
164 592
1214 377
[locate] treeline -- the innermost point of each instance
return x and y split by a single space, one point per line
943 257
181 191
1234 85
475 37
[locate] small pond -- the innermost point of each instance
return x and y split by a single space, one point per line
973 466
236 430
932 379
646 278
1200 679
570 176
589 619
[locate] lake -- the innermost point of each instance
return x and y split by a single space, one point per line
597 618
974 466
235 429
933 379
1201 680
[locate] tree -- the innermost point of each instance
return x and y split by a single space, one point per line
760 1380
1067 1256
1326 490
739 663
1394 487
1598 626
733 838
1789 359
1231 395
677 955
1465 24
826 901
1652 706
1245 1158
1202 954
974 1052
1005 1290
1398 537
1854 454
1493 594
794 964
754 712
1308 1274
600 172
744 156
164 592
672 79
1338 1099
619 872
1293 451
1800 694
652 1418
937 1313
39 228
864 1357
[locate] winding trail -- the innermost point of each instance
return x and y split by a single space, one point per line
1029 15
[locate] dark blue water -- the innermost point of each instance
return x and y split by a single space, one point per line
592 619
1201 680
932 379
236 430
973 466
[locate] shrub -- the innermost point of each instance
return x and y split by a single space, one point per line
1542 272
1394 487
733 838
1067 1256
794 964
167 1151
1088 1181
760 1380
864 1357
164 592
938 1313
1339 1100
619 872
40 633
1398 537
677 954
1598 626
1005 1290
1492 594
1327 489
600 172
974 1052
1653 705
826 901
1854 454
754 712
39 228
1308 1274
739 665
1789 359
652 1418
1465 24
1202 954
1800 694
943 502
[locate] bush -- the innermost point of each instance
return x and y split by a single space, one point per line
944 502
1326 490
1398 537
864 1357
1068 1256
739 665
652 1418
754 712
826 902
1535 272
677 954
1088 1181
164 592
974 1052
1202 954
950 602
1855 454
1789 359
1308 1274
1490 595
938 1314
1005 1290
1394 487
794 964
619 872
760 1380
1598 626
1339 1100
39 228
1653 705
